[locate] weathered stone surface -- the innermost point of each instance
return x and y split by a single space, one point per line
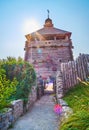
32 98
66 110
59 85
62 102
6 119
17 107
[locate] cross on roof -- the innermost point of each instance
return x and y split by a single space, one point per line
48 12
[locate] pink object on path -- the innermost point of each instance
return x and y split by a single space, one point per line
58 109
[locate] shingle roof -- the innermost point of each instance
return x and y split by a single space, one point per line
50 30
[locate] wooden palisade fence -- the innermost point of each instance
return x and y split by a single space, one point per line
72 72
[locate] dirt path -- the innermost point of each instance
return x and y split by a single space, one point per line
41 117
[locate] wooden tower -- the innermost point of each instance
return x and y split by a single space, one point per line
47 47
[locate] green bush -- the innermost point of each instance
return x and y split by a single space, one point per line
27 78
7 88
24 74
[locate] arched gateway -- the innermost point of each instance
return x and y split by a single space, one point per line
47 47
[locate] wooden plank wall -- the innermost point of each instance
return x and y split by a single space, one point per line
72 71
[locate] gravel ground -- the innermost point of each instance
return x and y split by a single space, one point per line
40 117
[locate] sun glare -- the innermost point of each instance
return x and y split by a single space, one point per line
30 25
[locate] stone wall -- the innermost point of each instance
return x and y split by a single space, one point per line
59 85
6 119
12 114
47 55
66 111
17 107
32 98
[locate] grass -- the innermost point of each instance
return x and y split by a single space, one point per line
78 99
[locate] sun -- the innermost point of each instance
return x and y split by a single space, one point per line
30 25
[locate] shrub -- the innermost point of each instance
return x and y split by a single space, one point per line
24 73
7 88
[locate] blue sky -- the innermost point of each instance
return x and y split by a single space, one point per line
20 17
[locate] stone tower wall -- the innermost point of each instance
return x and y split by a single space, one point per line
47 55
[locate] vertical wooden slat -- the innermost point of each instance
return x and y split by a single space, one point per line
73 70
